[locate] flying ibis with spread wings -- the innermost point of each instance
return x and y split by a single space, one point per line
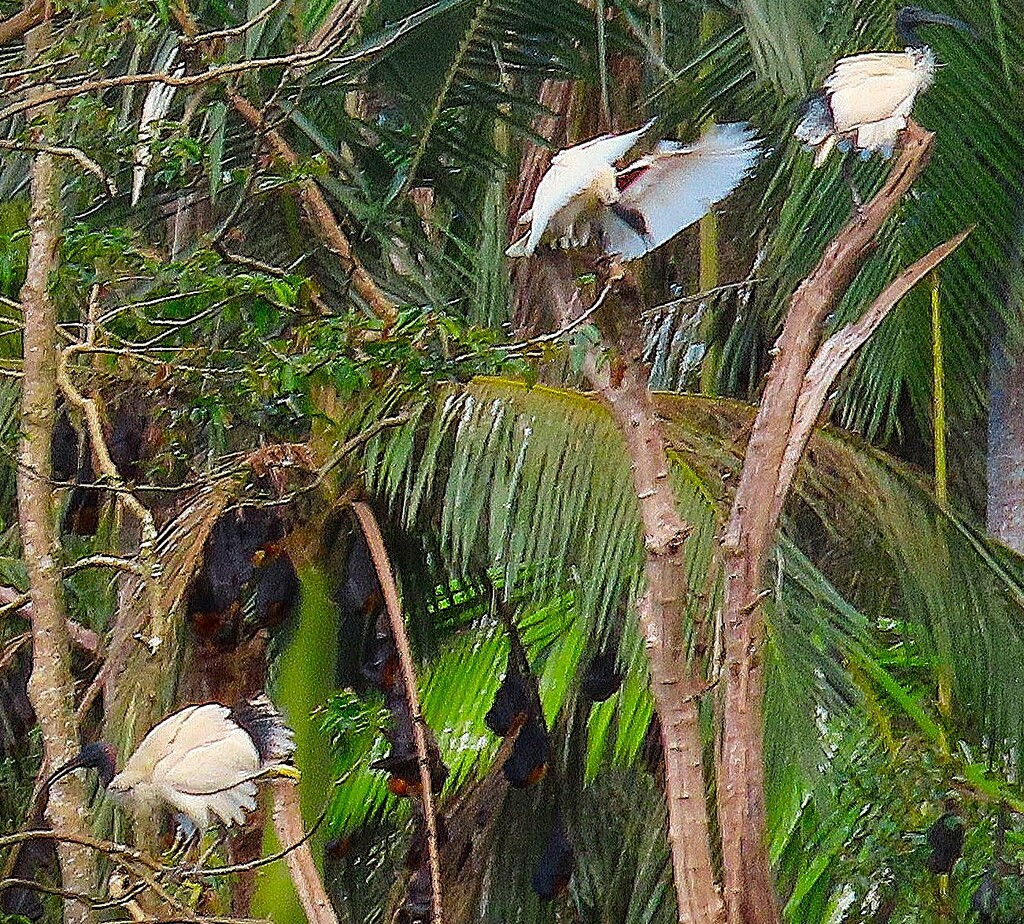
202 761
866 101
629 211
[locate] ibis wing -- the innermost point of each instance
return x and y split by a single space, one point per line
214 772
605 149
209 753
571 173
562 183
872 88
159 741
679 186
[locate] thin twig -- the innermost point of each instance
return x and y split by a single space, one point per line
93 901
148 558
371 531
657 310
135 861
76 154
117 562
523 345
16 603
38 68
265 13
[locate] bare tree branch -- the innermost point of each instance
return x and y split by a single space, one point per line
301 59
368 523
749 891
76 154
320 216
234 32
290 831
14 27
340 23
51 687
837 351
148 561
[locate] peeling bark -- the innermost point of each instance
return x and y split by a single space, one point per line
50 688
788 409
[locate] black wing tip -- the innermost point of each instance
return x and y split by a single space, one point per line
259 718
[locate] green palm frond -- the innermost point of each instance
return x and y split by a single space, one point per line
978 154
479 476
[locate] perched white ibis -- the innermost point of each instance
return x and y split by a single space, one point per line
866 100
630 211
202 761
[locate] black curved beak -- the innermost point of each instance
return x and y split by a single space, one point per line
76 763
98 756
940 19
918 17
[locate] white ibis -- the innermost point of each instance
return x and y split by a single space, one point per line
631 211
866 100
202 761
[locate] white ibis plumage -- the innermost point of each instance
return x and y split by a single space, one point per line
630 211
866 100
202 761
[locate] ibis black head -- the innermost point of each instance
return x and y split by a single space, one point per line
98 756
911 17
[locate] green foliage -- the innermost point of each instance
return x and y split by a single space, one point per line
244 331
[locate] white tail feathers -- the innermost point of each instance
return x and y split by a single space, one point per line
232 805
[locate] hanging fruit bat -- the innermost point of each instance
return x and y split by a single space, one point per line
601 679
531 752
946 839
555 867
511 704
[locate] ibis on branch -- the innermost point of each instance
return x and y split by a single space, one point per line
866 100
630 211
202 762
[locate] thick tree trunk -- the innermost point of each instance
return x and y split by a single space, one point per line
777 441
51 688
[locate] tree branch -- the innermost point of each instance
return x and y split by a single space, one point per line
676 683
368 523
315 206
837 351
76 154
51 687
291 833
749 890
14 27
149 563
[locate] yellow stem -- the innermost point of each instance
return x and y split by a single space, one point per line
710 23
938 396
945 671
